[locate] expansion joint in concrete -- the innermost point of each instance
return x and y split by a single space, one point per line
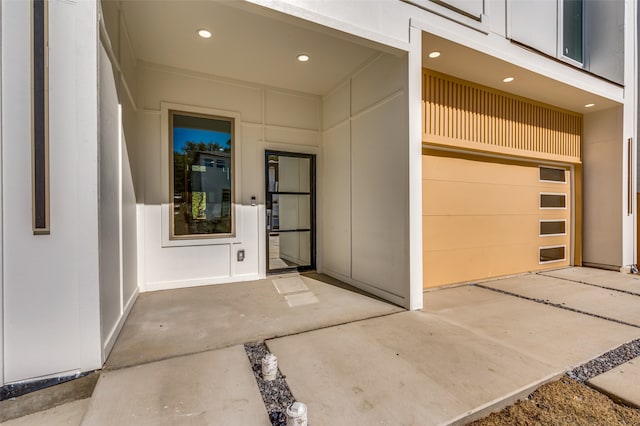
555 305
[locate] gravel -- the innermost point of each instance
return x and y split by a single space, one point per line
275 393
606 361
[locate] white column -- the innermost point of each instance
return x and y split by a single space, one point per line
630 132
415 169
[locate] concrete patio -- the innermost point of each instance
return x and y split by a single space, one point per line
354 359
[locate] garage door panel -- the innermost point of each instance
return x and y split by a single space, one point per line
472 264
482 218
442 166
457 232
472 231
447 197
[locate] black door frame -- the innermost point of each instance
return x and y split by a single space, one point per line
268 203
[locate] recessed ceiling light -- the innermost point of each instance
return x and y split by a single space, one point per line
434 55
508 79
204 33
303 57
589 105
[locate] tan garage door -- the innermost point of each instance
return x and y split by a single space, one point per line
485 217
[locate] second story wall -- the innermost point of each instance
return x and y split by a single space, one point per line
585 34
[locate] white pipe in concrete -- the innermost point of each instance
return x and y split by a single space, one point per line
297 414
269 367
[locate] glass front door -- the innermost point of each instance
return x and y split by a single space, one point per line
290 195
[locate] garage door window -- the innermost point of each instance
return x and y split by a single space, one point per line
553 201
552 254
553 227
550 174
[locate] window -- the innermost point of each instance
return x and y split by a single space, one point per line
553 201
553 227
552 254
572 29
201 165
549 174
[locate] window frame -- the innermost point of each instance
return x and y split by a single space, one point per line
169 239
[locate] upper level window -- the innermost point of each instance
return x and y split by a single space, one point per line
201 148
572 34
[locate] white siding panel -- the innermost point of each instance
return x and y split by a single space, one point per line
534 23
179 87
284 109
110 280
604 38
379 191
51 316
376 82
603 190
335 106
291 136
337 200
472 7
129 230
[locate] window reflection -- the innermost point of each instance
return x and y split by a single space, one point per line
202 156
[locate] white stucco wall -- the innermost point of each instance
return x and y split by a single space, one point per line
110 156
629 130
366 145
51 299
1 213
117 210
603 191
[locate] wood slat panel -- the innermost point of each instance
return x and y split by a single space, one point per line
469 116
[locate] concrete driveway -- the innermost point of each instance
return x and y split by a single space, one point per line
357 360
470 351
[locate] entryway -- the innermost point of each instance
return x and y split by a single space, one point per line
290 196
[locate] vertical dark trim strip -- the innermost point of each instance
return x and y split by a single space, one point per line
40 142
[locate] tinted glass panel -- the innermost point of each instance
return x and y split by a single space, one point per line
553 201
551 228
572 29
553 175
551 254
202 175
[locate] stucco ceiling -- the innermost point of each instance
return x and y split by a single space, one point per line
472 65
249 43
